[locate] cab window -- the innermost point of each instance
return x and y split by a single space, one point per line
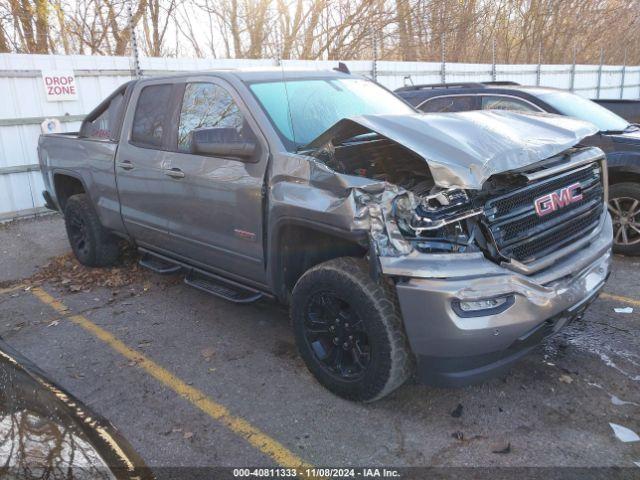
506 103
207 105
152 115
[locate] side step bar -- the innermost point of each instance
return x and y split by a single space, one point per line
221 287
208 282
158 265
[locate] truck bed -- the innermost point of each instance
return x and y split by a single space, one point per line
65 156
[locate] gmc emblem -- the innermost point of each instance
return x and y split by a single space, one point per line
559 199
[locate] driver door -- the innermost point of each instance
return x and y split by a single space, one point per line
216 209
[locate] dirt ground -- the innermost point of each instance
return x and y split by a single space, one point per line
552 410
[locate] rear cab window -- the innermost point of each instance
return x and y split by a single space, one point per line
105 124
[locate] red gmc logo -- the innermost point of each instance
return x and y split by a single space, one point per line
556 200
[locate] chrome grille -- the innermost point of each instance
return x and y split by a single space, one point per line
519 233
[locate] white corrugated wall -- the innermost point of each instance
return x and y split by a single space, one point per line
24 104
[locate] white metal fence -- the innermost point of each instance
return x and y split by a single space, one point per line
25 106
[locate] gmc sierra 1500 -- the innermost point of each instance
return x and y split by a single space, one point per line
443 244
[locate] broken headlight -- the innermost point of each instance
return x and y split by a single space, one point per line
442 208
439 221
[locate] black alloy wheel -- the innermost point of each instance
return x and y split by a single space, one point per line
337 336
349 331
91 243
79 236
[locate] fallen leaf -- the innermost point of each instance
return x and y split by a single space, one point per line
66 271
566 379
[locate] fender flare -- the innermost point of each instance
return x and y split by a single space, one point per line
66 173
273 248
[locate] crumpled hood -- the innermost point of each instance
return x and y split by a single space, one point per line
464 149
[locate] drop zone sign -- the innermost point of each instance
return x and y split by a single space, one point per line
60 85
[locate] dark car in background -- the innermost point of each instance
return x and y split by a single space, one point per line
625 108
619 138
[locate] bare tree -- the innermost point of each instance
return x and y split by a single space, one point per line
156 21
315 29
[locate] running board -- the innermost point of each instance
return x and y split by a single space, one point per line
221 287
158 265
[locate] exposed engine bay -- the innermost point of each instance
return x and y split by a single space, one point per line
422 215
453 183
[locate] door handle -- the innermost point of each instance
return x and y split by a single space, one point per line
126 165
174 172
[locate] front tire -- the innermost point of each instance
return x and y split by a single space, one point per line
92 245
349 330
624 206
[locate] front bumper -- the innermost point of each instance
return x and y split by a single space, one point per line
452 350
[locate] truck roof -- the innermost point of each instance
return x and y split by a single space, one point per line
259 74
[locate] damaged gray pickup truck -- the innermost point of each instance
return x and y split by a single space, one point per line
441 245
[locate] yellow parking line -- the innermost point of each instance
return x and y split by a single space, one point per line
258 439
11 289
620 298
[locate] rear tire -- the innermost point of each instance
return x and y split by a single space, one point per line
349 330
624 206
91 243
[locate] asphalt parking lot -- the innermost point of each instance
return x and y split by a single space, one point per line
192 380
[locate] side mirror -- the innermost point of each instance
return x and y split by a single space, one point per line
221 142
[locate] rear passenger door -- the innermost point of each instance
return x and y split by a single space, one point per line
450 103
215 218
141 163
